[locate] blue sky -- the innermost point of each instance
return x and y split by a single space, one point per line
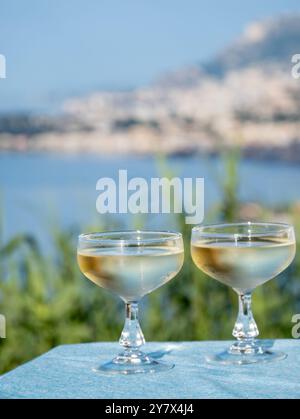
59 48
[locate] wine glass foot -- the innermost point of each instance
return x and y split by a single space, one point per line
137 363
230 357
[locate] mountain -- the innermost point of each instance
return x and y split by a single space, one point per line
267 43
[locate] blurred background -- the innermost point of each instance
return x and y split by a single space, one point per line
189 89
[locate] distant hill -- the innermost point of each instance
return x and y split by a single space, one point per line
267 43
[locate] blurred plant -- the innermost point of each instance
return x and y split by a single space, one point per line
46 301
229 185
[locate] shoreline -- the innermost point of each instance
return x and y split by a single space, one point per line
253 155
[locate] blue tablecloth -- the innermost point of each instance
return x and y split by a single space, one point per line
66 372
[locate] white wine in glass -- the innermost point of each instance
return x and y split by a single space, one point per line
131 265
244 256
132 274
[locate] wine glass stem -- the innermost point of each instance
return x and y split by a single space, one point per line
132 337
245 329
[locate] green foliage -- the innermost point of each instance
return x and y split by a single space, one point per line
47 303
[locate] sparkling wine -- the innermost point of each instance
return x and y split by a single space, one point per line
130 272
243 265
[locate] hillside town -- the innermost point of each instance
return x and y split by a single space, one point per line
246 97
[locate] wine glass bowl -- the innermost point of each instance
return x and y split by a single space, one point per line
244 256
131 264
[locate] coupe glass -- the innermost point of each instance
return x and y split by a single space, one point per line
244 256
131 264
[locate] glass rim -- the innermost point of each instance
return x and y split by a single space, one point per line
105 237
281 228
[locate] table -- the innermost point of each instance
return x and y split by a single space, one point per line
66 372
